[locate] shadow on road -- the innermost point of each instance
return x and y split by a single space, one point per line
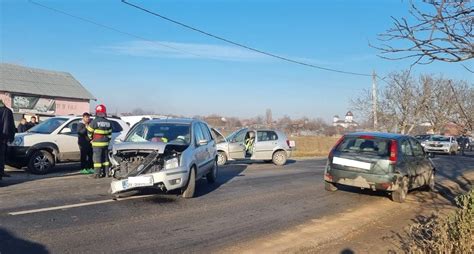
12 244
19 176
257 162
226 173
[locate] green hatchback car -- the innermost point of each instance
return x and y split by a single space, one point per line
379 161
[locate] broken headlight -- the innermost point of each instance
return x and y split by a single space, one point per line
172 163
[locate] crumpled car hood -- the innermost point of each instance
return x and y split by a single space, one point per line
157 146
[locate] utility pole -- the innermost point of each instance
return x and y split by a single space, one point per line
374 99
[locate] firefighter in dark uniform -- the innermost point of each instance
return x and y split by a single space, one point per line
100 133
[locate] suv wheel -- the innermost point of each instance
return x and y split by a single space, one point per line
279 158
221 158
212 175
401 193
188 191
330 186
40 162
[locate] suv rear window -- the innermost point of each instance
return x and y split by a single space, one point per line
365 145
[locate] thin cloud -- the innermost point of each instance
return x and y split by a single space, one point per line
165 49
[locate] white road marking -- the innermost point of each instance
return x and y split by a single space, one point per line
63 207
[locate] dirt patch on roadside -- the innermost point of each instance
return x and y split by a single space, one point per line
377 228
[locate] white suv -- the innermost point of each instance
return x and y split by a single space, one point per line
53 140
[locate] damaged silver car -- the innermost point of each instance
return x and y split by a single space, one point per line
168 154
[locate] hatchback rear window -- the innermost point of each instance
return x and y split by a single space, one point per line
365 146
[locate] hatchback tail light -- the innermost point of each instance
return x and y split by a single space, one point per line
288 143
331 153
393 152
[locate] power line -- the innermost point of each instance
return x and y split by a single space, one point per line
112 28
241 45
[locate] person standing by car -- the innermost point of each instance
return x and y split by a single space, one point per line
23 126
7 134
463 141
85 145
32 122
100 133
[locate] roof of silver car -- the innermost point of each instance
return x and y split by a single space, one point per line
173 120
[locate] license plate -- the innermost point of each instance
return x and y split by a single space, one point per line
139 181
351 163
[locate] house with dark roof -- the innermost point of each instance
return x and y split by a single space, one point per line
31 91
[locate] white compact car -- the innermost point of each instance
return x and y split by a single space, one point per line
53 140
442 144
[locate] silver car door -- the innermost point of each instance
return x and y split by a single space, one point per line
265 144
236 145
208 161
200 151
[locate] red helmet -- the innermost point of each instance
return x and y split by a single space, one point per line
100 109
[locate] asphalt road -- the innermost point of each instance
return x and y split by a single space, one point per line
248 201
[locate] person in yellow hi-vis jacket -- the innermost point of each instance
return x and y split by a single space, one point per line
100 133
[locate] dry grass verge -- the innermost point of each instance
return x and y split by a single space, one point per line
438 234
313 146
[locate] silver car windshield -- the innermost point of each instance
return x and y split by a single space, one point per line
160 132
48 126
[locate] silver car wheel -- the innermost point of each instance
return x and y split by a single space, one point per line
221 158
279 158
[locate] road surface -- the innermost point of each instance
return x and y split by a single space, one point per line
65 212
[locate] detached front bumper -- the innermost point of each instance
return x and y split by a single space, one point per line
17 156
167 179
385 182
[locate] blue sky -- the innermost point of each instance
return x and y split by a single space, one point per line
125 72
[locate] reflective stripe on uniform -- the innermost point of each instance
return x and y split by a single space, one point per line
106 163
89 128
102 132
99 144
97 165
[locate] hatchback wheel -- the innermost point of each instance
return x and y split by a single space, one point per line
40 162
401 193
221 158
212 175
279 158
188 191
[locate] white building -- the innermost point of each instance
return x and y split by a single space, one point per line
345 123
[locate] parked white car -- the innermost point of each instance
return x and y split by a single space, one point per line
53 140
442 144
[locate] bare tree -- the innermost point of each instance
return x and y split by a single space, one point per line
445 33
269 117
407 104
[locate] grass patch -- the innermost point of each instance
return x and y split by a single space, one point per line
313 146
438 234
